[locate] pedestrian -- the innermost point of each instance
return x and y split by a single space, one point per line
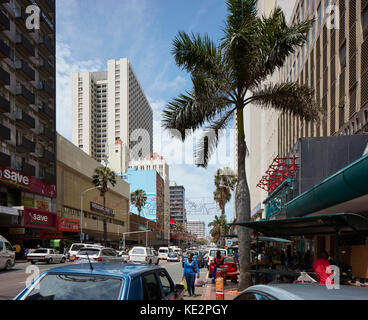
237 257
190 270
219 260
321 267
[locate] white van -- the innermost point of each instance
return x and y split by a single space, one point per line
7 254
77 246
211 254
163 252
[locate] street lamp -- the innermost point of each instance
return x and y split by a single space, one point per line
81 213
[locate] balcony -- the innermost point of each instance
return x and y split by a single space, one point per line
4 22
4 77
25 70
48 134
5 160
4 50
46 23
47 156
21 18
25 120
28 169
46 68
46 46
46 90
24 95
46 112
24 45
4 105
4 132
25 145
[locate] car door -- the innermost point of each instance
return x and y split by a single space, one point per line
167 286
105 255
151 287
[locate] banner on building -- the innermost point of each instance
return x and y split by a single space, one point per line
15 231
100 209
48 234
34 218
68 225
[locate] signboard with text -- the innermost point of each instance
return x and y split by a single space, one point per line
22 181
38 219
68 225
100 209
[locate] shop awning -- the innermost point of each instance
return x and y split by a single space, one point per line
312 225
347 184
269 239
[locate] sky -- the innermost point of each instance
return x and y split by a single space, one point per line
90 32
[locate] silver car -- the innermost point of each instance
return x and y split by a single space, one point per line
286 291
97 255
7 255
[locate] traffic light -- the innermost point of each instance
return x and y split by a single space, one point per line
121 241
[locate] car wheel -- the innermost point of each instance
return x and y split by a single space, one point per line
63 260
49 261
8 265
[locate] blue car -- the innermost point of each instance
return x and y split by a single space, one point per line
103 281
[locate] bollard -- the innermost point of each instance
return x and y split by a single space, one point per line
220 288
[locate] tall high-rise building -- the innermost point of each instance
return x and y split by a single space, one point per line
177 203
155 162
198 228
27 114
109 106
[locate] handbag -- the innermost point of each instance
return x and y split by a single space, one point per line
184 283
199 283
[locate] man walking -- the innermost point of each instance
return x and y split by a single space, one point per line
219 261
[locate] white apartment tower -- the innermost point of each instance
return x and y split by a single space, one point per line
198 228
109 106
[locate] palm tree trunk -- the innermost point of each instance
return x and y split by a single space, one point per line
242 197
222 228
105 222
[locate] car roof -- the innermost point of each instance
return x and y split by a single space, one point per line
313 291
106 269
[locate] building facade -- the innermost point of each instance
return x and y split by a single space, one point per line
156 162
153 185
27 119
109 106
177 203
74 177
198 228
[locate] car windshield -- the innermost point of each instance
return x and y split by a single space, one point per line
138 251
40 251
173 254
75 287
76 247
163 251
89 251
214 252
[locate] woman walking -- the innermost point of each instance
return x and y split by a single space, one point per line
190 271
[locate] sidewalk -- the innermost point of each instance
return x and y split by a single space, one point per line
209 290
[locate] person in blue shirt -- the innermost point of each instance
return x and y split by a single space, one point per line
190 271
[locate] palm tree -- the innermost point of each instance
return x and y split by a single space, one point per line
226 79
225 182
219 228
102 177
139 199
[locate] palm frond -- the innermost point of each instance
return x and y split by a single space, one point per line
289 97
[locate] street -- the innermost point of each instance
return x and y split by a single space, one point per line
12 282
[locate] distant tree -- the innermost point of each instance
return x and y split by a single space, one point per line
139 199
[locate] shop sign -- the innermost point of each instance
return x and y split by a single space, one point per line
22 181
34 218
16 231
47 234
68 225
42 205
100 209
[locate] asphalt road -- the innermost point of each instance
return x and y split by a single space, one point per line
14 281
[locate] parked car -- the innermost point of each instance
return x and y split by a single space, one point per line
173 257
107 281
77 246
143 255
163 252
285 291
124 254
230 266
212 254
7 254
103 254
46 255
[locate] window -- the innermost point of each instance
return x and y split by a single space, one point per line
343 55
365 18
8 246
252 296
167 285
151 287
319 14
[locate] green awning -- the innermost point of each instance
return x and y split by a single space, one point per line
269 239
346 223
347 184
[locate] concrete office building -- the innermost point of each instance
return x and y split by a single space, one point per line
109 106
177 203
155 162
198 228
27 117
74 171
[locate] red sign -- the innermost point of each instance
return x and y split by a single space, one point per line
68 225
172 221
25 182
38 219
47 234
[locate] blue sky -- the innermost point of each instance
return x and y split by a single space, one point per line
89 32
